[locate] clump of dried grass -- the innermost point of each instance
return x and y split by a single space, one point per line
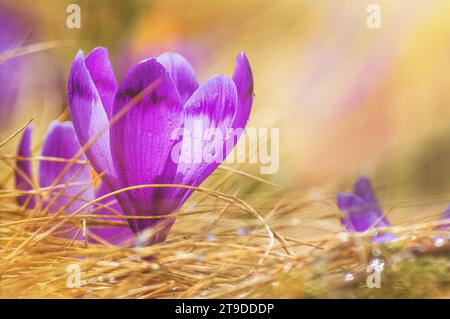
204 257
228 241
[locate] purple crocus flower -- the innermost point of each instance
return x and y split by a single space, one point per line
60 142
138 148
362 211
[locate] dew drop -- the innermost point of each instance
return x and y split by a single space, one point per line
439 242
348 277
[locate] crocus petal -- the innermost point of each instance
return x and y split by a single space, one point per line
212 106
112 234
25 176
61 142
88 113
181 73
243 79
357 218
102 74
363 189
360 215
141 139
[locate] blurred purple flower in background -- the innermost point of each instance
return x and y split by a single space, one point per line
30 80
362 211
60 143
12 34
137 148
445 216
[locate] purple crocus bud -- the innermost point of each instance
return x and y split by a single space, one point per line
138 148
362 211
60 142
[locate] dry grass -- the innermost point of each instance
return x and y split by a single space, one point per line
219 247
238 237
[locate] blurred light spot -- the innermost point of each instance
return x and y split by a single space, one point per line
348 277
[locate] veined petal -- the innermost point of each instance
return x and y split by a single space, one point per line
88 113
210 108
243 78
181 73
141 139
102 74
61 142
25 176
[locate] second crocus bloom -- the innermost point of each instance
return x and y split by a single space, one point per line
156 98
362 211
67 186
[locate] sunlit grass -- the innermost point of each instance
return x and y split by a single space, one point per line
226 242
